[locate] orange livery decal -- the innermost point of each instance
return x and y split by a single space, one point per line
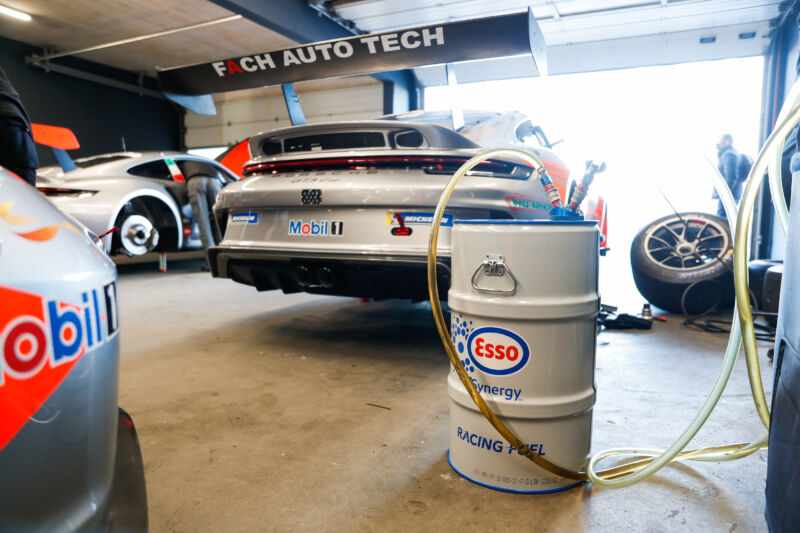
41 340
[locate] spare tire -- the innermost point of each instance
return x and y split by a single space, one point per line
685 257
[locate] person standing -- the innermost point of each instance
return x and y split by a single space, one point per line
17 151
203 183
734 167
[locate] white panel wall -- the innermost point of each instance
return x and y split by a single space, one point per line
238 119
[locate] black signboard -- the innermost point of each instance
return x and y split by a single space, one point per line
502 36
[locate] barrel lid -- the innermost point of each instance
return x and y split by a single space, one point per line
517 222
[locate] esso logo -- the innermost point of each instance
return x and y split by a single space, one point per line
497 351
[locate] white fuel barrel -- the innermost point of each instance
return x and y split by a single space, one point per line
524 305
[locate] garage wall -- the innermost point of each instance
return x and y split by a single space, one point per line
99 115
780 72
237 119
787 44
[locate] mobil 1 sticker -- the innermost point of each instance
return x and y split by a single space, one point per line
316 228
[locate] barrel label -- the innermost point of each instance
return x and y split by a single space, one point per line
497 445
497 351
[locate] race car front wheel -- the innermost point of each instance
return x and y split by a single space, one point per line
138 231
682 263
137 235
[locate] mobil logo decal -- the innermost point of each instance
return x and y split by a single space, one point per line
497 351
323 228
40 341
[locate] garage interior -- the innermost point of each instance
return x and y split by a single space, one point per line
301 413
265 411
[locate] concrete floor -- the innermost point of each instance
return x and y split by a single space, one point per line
272 412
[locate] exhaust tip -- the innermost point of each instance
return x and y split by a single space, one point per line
302 276
326 277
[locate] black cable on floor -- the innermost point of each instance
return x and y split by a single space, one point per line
764 332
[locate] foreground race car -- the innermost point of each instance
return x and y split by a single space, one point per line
69 456
143 194
345 208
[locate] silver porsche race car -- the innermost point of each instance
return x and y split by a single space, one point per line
142 194
344 208
69 456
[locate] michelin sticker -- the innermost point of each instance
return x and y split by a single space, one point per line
417 219
250 217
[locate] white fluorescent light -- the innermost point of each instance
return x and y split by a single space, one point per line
14 13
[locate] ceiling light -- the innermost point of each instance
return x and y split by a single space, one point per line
14 13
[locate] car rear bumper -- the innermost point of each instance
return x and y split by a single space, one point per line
376 276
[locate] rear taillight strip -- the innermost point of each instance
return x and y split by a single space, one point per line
432 164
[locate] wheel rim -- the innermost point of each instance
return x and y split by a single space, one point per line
137 235
686 244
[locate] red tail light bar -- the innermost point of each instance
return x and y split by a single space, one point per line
430 165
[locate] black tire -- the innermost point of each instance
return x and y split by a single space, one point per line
685 259
128 492
757 269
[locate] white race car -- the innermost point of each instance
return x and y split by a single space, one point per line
345 208
142 194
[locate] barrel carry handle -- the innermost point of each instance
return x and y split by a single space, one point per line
494 265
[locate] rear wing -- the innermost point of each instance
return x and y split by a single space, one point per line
502 36
235 157
60 140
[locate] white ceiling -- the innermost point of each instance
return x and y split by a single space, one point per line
65 25
565 21
73 24
581 35
585 35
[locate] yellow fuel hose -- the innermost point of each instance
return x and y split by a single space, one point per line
740 271
653 460
742 330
